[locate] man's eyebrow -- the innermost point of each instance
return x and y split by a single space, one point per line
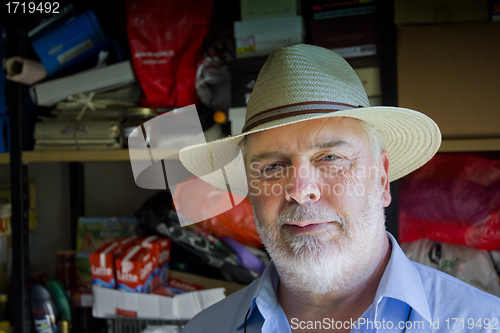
267 155
322 145
333 144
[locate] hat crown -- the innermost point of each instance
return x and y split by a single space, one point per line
303 74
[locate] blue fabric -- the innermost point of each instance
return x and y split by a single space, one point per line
409 294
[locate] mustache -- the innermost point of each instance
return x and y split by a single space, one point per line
313 213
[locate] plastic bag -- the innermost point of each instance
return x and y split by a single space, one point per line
454 198
237 223
467 264
156 217
165 41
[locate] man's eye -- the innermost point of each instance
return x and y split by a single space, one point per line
330 157
271 167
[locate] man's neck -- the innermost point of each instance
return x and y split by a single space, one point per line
340 306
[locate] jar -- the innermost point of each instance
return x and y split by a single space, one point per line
5 219
66 269
136 117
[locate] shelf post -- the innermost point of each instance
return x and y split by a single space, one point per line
20 233
77 197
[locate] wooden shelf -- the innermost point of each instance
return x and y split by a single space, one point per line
469 145
459 145
89 155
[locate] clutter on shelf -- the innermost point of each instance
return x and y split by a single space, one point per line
87 121
470 265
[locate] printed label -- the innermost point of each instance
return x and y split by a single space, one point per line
356 51
75 51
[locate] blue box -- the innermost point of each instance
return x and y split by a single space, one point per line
76 36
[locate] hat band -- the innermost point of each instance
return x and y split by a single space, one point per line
294 110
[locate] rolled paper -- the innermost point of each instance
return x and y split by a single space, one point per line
24 70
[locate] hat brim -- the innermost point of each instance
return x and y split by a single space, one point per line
412 139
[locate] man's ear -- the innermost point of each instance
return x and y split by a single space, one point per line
383 170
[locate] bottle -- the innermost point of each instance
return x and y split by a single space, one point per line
64 326
5 327
44 310
3 307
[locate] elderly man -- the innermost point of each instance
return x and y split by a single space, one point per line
318 163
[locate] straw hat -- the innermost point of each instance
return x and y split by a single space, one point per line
303 82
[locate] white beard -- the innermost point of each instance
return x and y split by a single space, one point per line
334 261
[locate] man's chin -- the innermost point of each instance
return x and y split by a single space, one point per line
308 250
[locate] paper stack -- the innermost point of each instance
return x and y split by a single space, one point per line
87 121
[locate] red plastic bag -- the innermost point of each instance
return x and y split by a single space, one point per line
237 223
165 39
454 198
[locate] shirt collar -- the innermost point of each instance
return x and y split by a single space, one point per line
266 291
400 281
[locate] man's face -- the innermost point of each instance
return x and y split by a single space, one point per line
318 195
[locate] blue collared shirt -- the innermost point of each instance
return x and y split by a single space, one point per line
410 297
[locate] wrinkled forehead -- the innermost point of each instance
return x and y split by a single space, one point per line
309 135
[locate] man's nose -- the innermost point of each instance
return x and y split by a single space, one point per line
302 185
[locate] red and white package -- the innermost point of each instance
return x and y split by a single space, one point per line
102 261
128 241
160 247
174 287
135 270
102 265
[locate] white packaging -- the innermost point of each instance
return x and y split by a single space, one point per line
94 80
260 37
109 302
261 9
470 265
237 119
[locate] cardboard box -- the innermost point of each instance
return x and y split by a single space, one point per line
93 232
160 247
263 9
451 73
350 37
370 78
135 270
495 10
97 80
109 303
439 11
207 283
329 12
260 37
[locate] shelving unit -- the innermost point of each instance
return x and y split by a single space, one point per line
448 145
19 159
88 156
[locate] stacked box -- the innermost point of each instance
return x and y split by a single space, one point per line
102 261
260 37
160 249
135 270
